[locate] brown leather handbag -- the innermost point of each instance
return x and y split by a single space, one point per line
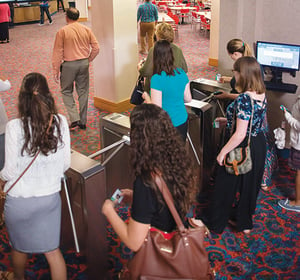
181 257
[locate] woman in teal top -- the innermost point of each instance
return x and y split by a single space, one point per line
170 87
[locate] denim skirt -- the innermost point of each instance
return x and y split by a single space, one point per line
33 223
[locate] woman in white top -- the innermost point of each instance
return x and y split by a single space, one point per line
33 206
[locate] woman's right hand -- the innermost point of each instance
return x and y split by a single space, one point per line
224 79
127 195
140 64
223 95
222 121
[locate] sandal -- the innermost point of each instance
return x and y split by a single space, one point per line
6 275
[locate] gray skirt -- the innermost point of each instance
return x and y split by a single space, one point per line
33 223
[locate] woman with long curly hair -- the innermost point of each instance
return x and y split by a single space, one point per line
33 206
156 148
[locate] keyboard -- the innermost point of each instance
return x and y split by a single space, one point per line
290 88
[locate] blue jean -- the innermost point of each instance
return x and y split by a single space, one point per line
46 10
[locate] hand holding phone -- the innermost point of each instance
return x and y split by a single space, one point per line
283 108
218 92
117 196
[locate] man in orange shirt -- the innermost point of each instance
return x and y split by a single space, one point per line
75 47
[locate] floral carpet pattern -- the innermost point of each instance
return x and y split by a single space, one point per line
273 249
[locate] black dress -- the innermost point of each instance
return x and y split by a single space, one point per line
235 196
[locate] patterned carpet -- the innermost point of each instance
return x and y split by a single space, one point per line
273 249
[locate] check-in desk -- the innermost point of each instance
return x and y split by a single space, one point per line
86 187
31 12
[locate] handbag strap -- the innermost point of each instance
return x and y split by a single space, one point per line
251 118
161 184
36 155
23 172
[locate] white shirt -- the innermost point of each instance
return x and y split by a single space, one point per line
4 85
44 175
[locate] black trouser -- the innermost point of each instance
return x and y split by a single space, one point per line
182 129
62 5
46 10
4 33
225 204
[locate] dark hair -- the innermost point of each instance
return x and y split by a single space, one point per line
237 45
163 59
156 147
36 109
250 75
72 13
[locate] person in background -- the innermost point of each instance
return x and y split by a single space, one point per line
163 31
12 14
170 87
155 148
294 161
250 85
4 22
4 86
237 48
44 8
147 14
62 5
33 206
75 47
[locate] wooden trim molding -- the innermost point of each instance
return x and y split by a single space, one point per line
83 19
213 61
112 107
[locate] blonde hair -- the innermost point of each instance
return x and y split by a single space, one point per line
237 45
164 31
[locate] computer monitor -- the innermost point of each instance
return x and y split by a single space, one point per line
285 57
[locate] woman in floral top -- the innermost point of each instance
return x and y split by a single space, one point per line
234 199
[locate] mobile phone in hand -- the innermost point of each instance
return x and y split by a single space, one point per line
117 195
282 107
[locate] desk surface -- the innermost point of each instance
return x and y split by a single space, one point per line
181 8
203 13
162 17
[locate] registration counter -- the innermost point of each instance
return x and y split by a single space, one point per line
31 12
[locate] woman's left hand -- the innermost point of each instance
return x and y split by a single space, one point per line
2 183
220 158
108 206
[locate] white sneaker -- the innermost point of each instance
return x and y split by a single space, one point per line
284 203
51 22
41 24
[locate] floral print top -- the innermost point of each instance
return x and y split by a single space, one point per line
241 108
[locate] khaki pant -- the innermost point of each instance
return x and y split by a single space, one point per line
146 30
75 71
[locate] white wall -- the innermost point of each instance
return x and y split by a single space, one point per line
266 20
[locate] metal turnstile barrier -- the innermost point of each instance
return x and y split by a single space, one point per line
203 109
114 128
85 193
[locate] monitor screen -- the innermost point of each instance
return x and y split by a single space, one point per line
284 56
